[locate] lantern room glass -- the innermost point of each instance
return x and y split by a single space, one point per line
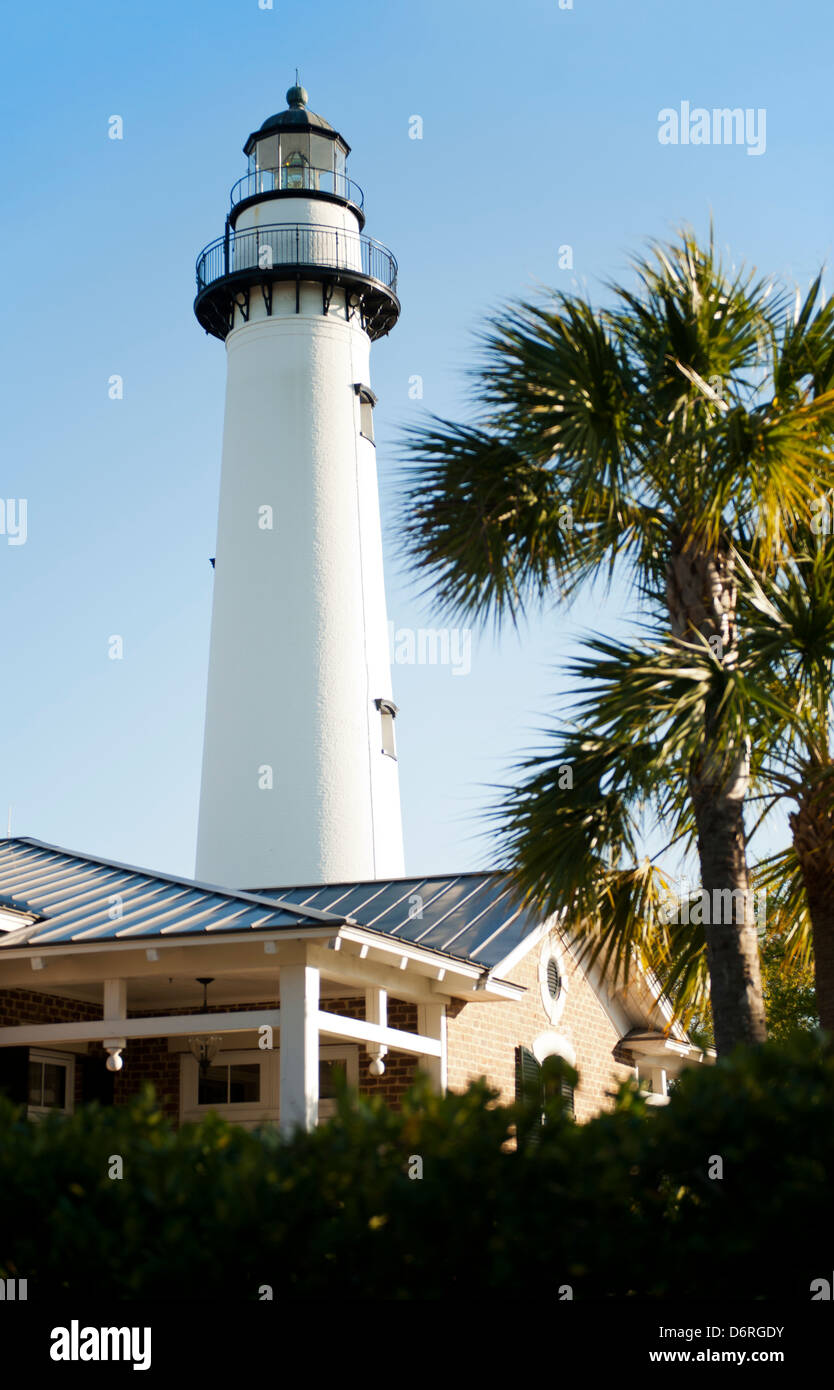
299 159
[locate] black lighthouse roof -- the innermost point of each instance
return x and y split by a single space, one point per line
297 117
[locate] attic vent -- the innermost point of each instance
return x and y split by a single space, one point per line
554 979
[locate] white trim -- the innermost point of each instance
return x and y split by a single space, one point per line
415 954
358 1030
161 1026
376 1012
431 1020
553 1045
268 1108
242 1021
550 951
243 1113
527 943
223 937
299 1081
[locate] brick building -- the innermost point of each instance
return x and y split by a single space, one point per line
246 1002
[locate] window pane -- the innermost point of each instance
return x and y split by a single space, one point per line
213 1086
54 1085
245 1084
36 1083
327 1090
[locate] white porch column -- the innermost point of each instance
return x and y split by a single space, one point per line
431 1021
115 999
114 1008
299 1053
376 1011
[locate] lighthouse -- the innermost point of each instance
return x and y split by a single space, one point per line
299 778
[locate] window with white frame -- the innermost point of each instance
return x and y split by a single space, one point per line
243 1086
51 1083
240 1085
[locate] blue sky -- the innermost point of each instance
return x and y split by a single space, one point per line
539 130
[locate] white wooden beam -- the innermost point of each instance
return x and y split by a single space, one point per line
164 1026
360 973
299 1056
359 1030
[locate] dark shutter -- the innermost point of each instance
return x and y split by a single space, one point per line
96 1080
567 1095
529 1091
528 1076
14 1074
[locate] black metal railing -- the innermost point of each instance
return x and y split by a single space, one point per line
295 244
302 179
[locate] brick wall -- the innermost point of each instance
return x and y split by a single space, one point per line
482 1037
149 1059
19 1006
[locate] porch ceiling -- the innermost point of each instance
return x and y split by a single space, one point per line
182 992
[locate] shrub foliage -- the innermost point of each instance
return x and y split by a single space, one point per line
622 1206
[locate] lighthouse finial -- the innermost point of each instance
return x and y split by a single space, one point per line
296 96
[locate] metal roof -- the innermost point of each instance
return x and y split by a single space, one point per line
79 898
85 899
466 915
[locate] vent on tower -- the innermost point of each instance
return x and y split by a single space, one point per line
388 713
367 401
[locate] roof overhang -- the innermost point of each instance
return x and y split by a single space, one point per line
353 954
661 1045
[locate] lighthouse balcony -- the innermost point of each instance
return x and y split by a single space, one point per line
234 265
299 181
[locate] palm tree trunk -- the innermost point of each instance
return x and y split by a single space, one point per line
729 920
702 598
813 838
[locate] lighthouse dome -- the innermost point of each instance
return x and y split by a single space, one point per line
296 119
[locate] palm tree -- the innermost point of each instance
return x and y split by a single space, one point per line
788 658
651 436
639 721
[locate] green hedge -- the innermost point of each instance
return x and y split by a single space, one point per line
621 1206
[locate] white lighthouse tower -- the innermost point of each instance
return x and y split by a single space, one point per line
299 779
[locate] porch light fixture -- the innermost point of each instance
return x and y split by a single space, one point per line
204 1047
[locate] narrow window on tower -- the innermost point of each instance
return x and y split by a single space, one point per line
367 401
388 713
